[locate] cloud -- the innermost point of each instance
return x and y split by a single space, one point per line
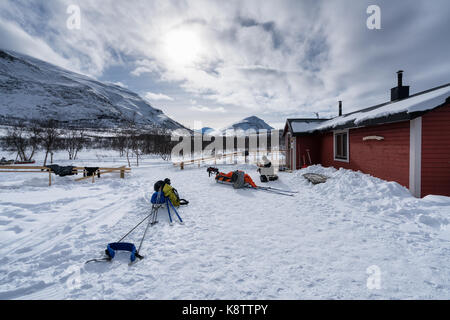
145 66
200 108
16 39
120 84
157 96
276 58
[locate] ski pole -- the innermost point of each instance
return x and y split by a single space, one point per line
142 240
168 211
176 212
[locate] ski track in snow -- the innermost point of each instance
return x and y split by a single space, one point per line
235 244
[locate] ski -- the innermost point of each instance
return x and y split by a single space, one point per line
106 259
281 190
273 191
277 192
130 264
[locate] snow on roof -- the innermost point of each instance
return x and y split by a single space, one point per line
416 103
299 126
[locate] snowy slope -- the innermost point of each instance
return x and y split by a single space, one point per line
34 89
304 126
250 123
319 244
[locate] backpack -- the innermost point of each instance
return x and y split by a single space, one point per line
238 179
168 192
158 198
159 185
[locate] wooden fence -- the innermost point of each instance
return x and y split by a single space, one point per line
76 170
230 155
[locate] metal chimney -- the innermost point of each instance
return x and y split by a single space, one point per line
400 91
340 108
400 78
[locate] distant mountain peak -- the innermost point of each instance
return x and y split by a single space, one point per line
253 118
249 123
207 130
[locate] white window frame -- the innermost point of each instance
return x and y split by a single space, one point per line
348 145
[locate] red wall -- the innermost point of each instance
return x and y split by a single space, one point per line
387 159
436 152
310 143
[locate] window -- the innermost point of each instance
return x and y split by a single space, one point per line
341 146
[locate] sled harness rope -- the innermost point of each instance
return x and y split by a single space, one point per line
130 247
158 200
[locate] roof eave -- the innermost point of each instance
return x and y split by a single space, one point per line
392 118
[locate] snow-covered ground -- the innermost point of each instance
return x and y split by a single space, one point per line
324 243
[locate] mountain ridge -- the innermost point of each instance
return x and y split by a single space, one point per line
32 89
248 123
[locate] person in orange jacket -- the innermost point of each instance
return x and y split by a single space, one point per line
237 178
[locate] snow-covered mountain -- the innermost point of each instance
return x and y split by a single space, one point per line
249 123
206 130
31 89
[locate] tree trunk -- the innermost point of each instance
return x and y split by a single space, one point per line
45 159
32 154
21 154
128 159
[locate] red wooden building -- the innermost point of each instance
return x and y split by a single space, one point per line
406 140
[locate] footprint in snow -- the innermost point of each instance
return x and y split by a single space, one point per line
16 229
23 250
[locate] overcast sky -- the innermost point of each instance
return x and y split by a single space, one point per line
220 61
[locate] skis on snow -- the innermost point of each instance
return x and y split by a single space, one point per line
276 191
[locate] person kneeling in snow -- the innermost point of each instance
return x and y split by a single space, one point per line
266 170
266 163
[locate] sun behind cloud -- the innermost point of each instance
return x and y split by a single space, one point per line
183 47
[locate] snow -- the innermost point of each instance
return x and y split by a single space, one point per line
235 244
304 126
422 102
